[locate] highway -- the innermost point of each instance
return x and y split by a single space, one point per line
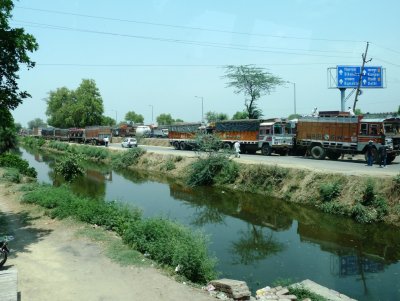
355 166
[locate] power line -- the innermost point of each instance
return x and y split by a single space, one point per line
173 65
172 40
386 48
189 27
387 62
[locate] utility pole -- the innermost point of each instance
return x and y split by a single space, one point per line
364 57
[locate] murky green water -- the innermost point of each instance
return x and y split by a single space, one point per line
256 239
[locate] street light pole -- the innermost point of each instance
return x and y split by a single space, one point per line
294 95
151 113
202 111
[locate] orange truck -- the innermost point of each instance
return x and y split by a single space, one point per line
96 134
333 133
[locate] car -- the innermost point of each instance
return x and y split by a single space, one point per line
129 142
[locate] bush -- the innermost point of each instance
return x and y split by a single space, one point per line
70 167
173 244
12 175
329 191
168 165
127 158
14 161
209 170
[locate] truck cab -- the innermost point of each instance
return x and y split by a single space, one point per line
276 136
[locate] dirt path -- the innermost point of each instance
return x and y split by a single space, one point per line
54 264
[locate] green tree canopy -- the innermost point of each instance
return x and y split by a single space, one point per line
133 117
240 115
214 116
293 116
253 82
108 121
165 119
15 45
75 108
36 123
398 111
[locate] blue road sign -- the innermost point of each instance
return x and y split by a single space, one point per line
348 76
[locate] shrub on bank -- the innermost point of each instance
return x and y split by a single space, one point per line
127 158
15 161
167 242
12 175
329 191
33 142
69 167
174 245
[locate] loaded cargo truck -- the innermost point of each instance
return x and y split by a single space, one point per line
182 136
333 133
96 134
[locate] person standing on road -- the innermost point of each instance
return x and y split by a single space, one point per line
370 154
237 149
106 141
383 156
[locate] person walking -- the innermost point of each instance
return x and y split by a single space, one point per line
383 156
237 149
370 153
106 141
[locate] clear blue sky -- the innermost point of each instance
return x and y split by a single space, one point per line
161 53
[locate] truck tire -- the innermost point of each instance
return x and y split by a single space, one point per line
176 144
390 158
333 155
266 150
227 146
317 152
182 145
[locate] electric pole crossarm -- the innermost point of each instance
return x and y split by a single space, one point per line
364 57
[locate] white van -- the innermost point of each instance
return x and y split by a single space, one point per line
143 130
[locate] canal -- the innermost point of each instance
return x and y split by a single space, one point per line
256 239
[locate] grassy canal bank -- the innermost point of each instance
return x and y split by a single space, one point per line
365 199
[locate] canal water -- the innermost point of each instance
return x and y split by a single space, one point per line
256 239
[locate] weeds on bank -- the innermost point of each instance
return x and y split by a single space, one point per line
298 290
127 158
330 191
69 167
12 175
164 241
213 166
14 161
33 142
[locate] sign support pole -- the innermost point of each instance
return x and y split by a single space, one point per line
342 99
364 56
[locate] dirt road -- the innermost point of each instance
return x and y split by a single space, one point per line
54 264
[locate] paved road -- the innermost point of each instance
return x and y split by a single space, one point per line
355 166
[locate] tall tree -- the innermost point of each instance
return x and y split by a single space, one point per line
15 45
36 123
75 108
108 121
214 116
165 119
240 115
133 117
253 82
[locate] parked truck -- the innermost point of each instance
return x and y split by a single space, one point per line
270 136
333 133
96 134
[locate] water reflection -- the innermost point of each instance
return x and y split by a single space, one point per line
258 239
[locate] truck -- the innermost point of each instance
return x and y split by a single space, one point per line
273 135
96 134
333 133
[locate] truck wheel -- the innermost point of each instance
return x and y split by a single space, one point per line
266 150
176 145
317 152
333 155
227 146
390 158
182 145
